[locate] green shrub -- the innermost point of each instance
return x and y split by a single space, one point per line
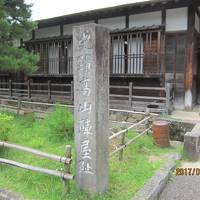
60 123
5 125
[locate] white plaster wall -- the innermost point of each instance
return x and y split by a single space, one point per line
197 25
146 19
67 29
176 19
113 23
16 43
47 32
27 37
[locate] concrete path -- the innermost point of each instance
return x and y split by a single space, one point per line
183 187
192 116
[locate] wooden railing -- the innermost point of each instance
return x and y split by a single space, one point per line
122 135
64 175
139 98
136 64
37 91
55 66
130 64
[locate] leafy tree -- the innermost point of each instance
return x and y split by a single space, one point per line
15 23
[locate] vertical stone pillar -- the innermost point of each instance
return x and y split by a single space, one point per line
91 51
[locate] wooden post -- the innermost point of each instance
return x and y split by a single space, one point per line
29 88
147 123
19 105
123 137
130 93
162 48
167 90
10 88
67 168
49 90
72 92
190 61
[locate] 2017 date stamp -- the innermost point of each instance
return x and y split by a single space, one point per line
187 171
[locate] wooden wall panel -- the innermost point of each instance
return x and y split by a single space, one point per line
151 54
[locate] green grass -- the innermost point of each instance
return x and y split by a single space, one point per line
125 177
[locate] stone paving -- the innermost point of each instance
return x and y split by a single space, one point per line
183 187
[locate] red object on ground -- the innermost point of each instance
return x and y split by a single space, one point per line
161 133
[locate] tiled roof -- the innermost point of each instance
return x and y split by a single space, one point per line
136 28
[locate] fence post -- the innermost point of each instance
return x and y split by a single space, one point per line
72 92
67 168
123 136
130 93
29 88
147 123
49 90
19 105
168 99
10 88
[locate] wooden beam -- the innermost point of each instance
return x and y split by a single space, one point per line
189 57
127 21
96 21
33 34
129 128
35 152
61 30
164 17
162 47
59 174
198 11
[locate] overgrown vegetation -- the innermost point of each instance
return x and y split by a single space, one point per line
5 125
141 159
60 124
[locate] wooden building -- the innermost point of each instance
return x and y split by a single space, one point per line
153 42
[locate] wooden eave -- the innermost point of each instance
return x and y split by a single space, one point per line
138 29
113 32
144 75
49 39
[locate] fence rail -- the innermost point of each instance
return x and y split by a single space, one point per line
65 175
123 133
138 98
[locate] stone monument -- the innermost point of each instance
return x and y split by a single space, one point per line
91 51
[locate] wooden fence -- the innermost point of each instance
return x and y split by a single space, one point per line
37 91
65 175
123 133
138 98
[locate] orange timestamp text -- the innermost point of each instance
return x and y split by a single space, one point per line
187 171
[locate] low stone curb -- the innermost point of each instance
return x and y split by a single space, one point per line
6 195
153 188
